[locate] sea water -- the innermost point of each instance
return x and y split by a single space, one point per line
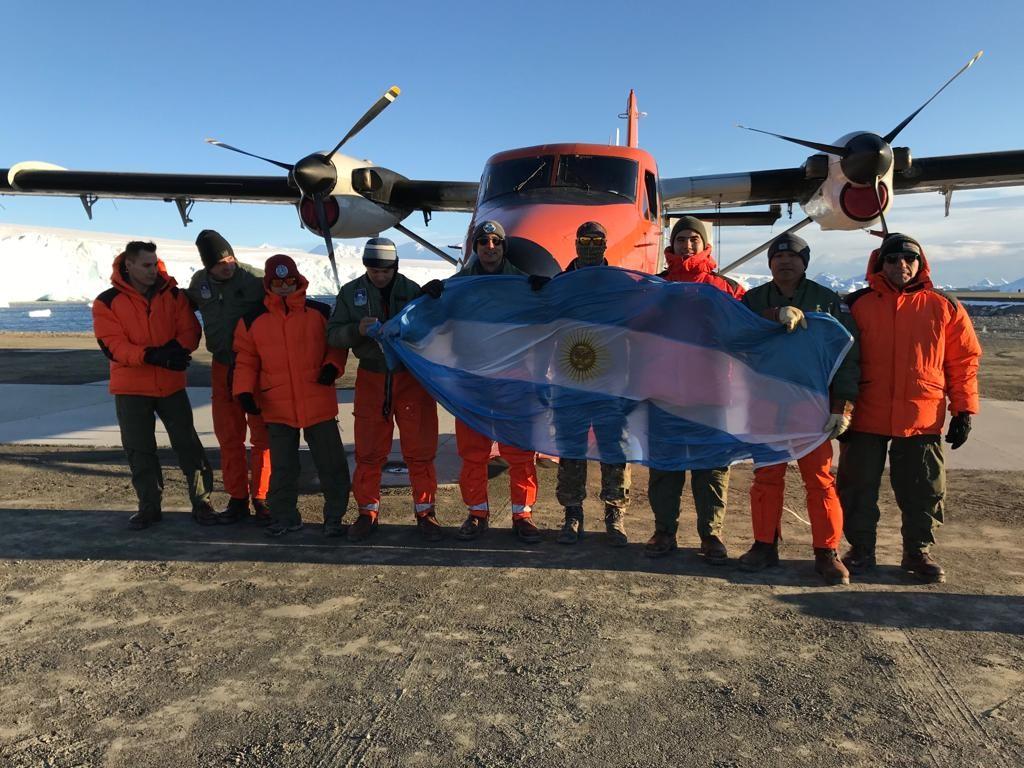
64 316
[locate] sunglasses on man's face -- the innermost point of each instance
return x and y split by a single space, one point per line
892 258
590 240
489 240
278 282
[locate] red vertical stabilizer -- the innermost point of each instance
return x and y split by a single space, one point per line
633 116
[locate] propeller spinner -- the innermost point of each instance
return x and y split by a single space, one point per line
316 175
864 157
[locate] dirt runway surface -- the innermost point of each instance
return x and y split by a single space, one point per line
184 645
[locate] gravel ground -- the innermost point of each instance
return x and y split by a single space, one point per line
184 645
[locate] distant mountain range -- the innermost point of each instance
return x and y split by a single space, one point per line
46 264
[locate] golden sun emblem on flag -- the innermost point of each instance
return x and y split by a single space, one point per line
582 357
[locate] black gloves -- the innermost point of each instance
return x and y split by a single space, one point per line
248 403
959 429
171 355
328 374
537 281
432 289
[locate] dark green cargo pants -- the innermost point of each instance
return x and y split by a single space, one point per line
136 416
710 488
328 452
918 477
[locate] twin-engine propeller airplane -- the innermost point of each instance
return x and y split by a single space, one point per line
542 194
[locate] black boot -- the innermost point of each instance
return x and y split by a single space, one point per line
141 520
572 528
859 558
236 512
614 526
760 556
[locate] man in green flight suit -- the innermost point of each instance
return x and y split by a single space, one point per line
224 291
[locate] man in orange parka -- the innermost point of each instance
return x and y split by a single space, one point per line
690 261
917 348
146 326
281 352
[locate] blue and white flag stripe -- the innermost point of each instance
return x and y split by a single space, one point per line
614 366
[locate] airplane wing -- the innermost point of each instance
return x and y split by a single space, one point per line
148 186
790 185
408 194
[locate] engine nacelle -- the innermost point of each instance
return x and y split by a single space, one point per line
349 213
839 203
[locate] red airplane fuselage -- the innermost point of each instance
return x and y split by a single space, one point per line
541 195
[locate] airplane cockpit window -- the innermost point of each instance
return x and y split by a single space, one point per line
516 175
598 173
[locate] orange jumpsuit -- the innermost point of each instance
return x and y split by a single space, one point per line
768 489
229 425
415 412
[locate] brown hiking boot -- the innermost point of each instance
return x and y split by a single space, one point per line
760 556
362 528
614 527
429 528
525 530
924 567
660 544
830 567
859 558
572 528
472 528
713 550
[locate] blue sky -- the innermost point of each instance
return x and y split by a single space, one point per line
138 86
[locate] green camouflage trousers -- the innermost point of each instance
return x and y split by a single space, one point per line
572 483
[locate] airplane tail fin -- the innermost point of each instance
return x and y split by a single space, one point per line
633 116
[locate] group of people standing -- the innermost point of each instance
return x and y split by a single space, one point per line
277 356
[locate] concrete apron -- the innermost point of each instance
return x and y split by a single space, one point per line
83 415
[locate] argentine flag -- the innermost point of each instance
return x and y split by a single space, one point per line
618 366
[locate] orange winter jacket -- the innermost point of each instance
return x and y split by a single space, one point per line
699 268
279 351
126 323
917 347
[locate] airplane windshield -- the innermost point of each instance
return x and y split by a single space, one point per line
596 176
614 175
517 175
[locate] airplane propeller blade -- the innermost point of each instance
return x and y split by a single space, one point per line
382 103
221 144
881 216
895 131
325 230
830 149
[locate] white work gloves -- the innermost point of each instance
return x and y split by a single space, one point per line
791 317
837 424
